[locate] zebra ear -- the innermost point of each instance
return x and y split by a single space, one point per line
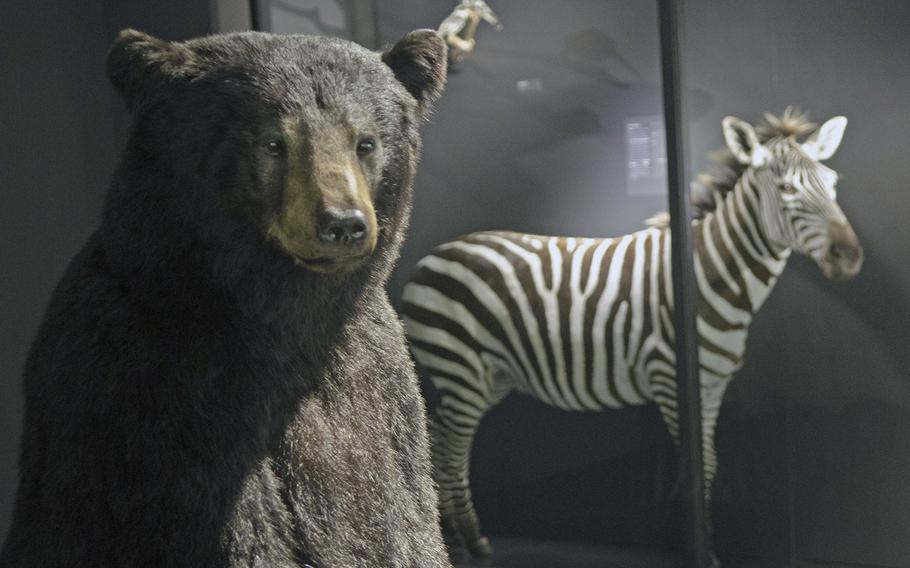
743 142
825 141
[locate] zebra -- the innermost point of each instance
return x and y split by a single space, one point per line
585 324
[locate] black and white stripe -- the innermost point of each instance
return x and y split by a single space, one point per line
585 324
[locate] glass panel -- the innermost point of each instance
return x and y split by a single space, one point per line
552 126
814 435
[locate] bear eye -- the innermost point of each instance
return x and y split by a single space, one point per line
274 147
366 146
787 188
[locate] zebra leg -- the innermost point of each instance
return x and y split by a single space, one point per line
712 396
710 406
452 427
451 462
709 460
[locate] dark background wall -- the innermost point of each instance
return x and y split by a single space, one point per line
56 153
61 127
815 434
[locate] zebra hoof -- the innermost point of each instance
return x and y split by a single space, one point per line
481 548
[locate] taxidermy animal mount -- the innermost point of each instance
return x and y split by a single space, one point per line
464 20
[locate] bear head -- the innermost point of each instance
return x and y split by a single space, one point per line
264 153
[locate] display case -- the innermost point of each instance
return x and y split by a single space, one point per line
554 122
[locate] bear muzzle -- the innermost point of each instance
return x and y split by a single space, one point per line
346 239
326 221
327 240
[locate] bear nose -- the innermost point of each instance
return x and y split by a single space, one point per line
342 227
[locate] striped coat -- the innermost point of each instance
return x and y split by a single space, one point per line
582 324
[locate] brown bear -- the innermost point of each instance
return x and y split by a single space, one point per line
220 379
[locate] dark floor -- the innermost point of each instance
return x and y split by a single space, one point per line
514 552
531 554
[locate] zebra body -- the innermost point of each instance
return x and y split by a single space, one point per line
583 324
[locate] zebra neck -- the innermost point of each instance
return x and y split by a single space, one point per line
735 264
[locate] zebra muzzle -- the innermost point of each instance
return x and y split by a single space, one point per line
844 256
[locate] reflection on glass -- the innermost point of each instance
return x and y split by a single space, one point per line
647 155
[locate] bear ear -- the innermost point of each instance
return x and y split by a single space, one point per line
419 62
138 64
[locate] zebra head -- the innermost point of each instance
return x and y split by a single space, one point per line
796 193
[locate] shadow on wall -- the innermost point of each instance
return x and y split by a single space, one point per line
883 311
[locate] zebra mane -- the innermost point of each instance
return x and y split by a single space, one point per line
725 170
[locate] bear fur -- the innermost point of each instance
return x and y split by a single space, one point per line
201 392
